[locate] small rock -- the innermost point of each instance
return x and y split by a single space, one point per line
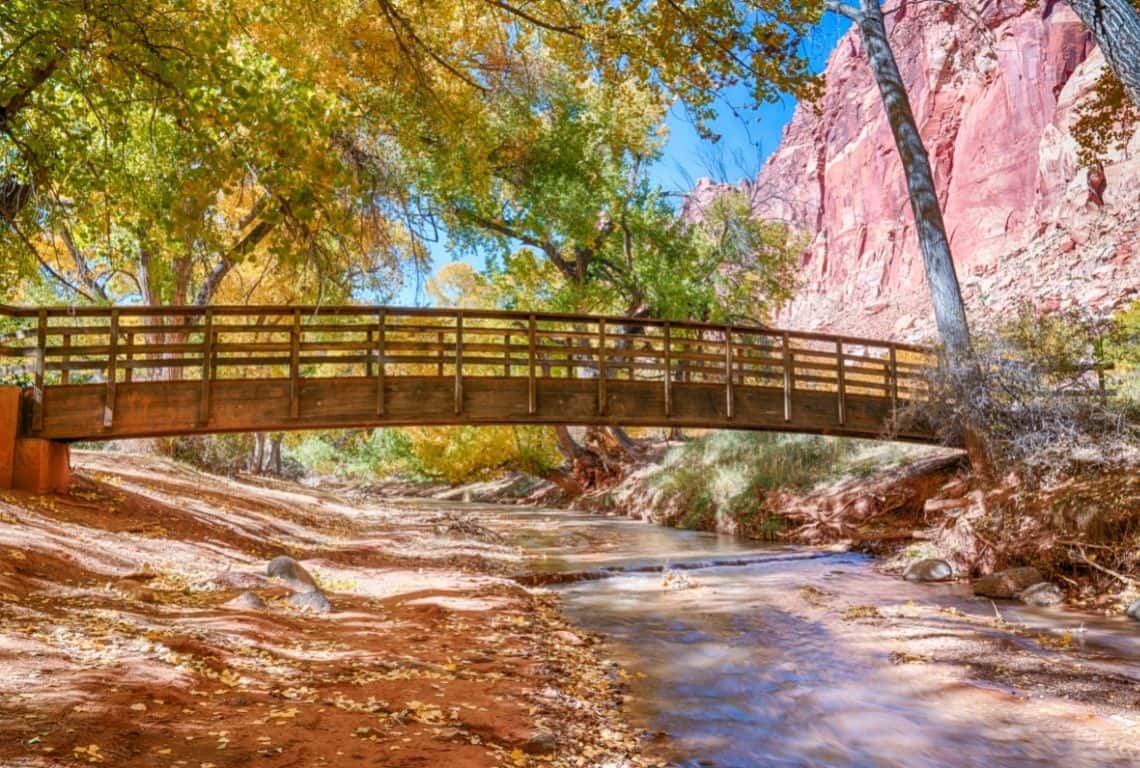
1008 583
569 638
292 573
677 580
541 743
931 569
1133 611
247 601
314 601
1043 593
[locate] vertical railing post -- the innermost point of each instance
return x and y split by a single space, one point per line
729 405
507 354
439 353
789 376
841 382
128 369
459 363
65 372
207 369
602 396
381 361
40 368
112 371
369 350
893 384
532 390
668 370
295 366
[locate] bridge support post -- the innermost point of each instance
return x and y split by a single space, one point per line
29 463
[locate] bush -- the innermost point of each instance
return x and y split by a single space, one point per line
1034 397
721 481
430 454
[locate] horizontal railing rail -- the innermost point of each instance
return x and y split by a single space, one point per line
50 347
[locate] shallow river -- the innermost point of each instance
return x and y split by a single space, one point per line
758 661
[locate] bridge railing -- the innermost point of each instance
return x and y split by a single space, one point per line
58 347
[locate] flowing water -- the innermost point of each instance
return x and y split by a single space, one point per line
759 660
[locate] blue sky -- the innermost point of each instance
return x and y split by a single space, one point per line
748 135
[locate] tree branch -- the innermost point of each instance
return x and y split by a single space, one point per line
835 6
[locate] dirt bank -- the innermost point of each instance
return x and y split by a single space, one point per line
118 646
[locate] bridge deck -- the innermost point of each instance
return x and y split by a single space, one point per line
104 373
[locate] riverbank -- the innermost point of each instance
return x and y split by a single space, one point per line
902 503
130 637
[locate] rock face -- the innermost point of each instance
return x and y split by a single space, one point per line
994 90
1006 584
931 569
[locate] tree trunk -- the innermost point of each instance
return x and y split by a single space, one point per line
949 310
275 452
1115 25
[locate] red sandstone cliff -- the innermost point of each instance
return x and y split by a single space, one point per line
994 89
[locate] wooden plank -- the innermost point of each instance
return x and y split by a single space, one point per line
893 380
38 373
667 331
841 391
789 377
728 362
532 392
65 374
150 408
206 383
602 367
112 373
128 369
459 364
295 366
381 360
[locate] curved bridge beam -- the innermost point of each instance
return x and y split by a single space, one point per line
107 373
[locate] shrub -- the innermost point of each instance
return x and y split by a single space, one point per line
1033 397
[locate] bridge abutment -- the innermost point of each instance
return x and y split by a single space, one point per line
29 463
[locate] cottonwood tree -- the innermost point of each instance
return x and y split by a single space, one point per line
1115 25
309 110
933 241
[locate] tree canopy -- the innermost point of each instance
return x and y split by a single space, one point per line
150 149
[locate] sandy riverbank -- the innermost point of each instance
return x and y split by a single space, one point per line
118 646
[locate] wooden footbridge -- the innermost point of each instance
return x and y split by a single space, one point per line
103 373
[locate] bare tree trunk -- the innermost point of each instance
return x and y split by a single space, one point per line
258 453
1115 25
949 309
623 439
275 453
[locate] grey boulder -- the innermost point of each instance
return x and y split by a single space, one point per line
930 569
292 573
314 601
1043 593
1133 611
